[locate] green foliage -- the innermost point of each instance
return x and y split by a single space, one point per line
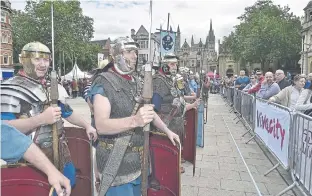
72 31
267 32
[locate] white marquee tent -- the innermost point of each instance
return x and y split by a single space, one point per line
76 73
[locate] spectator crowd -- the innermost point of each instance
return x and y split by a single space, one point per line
295 93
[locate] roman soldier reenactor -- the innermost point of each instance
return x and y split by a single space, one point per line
26 105
119 119
168 98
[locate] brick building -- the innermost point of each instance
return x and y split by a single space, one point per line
6 55
105 45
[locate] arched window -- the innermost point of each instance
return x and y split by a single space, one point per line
3 16
4 38
5 59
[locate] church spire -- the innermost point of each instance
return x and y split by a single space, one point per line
210 40
178 30
192 41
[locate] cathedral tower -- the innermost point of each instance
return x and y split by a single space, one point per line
177 40
211 39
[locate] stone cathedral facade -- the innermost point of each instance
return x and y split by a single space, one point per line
195 55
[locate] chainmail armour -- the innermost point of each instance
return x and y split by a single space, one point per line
25 98
122 95
173 103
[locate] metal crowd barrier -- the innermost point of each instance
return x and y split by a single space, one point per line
223 91
301 154
297 153
229 92
248 110
237 101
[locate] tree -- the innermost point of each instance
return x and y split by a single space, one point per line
72 31
267 32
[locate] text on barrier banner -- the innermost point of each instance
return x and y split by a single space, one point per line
272 126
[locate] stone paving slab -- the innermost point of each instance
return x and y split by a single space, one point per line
219 168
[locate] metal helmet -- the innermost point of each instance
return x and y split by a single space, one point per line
30 51
169 58
124 64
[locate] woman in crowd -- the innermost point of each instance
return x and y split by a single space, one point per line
304 103
253 83
288 96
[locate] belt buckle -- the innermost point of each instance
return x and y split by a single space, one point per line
137 148
110 146
134 149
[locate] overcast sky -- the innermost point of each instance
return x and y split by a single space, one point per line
117 18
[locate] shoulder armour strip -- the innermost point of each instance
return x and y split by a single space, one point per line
5 99
10 108
33 87
17 94
19 89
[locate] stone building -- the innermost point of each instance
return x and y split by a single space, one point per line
141 37
227 65
6 55
199 54
306 55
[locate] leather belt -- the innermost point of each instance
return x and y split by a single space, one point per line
109 146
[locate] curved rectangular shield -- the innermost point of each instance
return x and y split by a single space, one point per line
80 151
189 142
23 181
165 161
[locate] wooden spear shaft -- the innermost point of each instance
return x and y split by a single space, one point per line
54 98
147 96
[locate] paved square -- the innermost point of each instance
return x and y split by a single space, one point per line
219 167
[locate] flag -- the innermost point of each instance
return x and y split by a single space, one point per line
167 40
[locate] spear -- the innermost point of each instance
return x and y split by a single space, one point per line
54 98
147 96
